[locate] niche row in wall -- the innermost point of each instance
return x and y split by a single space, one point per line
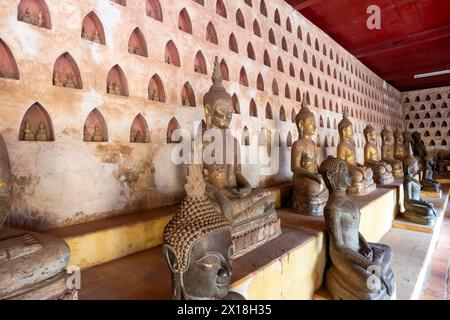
92 30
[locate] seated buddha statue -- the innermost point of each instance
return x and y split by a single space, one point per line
362 177
417 210
310 193
399 152
41 133
419 150
98 136
198 246
387 152
31 264
251 211
428 184
359 270
28 134
382 170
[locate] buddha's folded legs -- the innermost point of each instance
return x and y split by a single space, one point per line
308 187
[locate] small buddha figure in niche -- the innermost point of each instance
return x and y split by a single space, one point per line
87 137
40 20
310 192
387 152
98 137
359 270
187 102
70 81
57 79
97 37
428 184
382 170
26 16
28 134
362 177
84 34
419 149
116 88
155 95
416 209
198 246
440 166
139 137
110 88
399 152
42 133
251 211
197 68
168 59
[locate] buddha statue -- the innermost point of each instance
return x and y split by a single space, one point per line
407 140
28 134
70 81
419 149
84 34
310 193
428 184
116 88
110 87
251 211
57 79
387 152
362 177
198 246
139 137
187 102
31 264
98 137
416 209
359 270
155 95
40 20
42 133
26 16
382 170
399 152
87 137
96 36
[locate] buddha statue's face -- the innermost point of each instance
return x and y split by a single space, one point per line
412 168
343 178
208 275
416 137
388 139
399 139
370 136
308 126
220 114
347 132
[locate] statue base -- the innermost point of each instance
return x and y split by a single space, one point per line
384 181
309 205
431 194
398 173
419 219
362 189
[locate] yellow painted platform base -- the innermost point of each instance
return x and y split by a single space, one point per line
431 194
100 241
443 181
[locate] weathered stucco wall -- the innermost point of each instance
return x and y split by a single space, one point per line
67 181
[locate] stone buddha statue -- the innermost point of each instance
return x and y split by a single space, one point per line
42 133
26 16
251 211
359 270
40 20
198 246
31 264
399 152
139 137
387 152
310 192
362 177
417 210
428 184
28 134
87 137
98 137
382 170
418 148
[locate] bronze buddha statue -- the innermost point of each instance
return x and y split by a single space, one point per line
382 170
32 265
310 193
417 210
362 177
388 151
399 152
251 211
198 246
428 184
359 270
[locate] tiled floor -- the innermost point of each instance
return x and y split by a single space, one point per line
438 286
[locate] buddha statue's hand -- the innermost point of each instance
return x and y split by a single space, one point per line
367 252
242 191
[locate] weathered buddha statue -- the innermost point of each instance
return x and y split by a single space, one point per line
428 184
40 20
251 211
96 36
382 170
407 140
387 152
359 270
198 246
31 264
362 177
418 148
42 133
28 134
139 137
26 16
87 137
399 152
98 137
417 210
310 193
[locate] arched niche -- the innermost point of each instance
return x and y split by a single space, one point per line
298 95
121 2
293 115
295 51
272 37
153 10
66 72
251 51
253 110
260 82
245 140
288 25
243 79
240 21
444 143
34 12
269 114
275 90
139 130
284 45
432 143
171 55
95 128
256 28
280 66
299 33
36 125
232 44
276 17
200 63
302 75
116 82
171 128
263 8
211 34
249 3
221 9
267 59
8 65
184 22
287 91
236 104
292 70
156 90
224 70
289 140
200 2
187 95
137 44
282 114
92 28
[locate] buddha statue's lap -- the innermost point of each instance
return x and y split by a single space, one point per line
382 170
359 270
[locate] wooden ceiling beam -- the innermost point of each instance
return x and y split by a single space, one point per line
306 4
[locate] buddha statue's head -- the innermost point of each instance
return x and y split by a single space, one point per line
416 137
5 182
218 104
369 134
198 245
398 137
335 174
386 136
345 127
410 164
305 121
